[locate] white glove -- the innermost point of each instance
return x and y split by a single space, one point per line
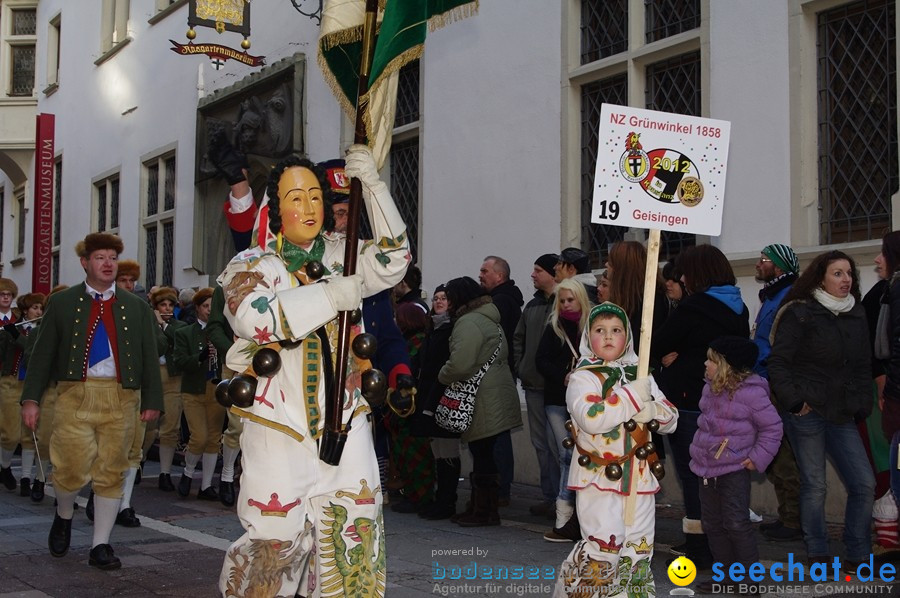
344 292
641 388
646 414
360 163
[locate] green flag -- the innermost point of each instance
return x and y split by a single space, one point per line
402 25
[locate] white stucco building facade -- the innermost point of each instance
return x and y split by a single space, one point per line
499 128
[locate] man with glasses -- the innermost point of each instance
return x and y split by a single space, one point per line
777 269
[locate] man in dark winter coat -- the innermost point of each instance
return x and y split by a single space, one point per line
494 277
777 269
525 342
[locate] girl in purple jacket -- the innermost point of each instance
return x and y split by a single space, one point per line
739 432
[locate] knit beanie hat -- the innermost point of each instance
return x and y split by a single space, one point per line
739 352
783 257
577 258
547 262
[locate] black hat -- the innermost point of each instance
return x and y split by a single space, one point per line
576 257
547 262
740 353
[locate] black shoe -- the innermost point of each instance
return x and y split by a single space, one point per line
226 493
60 536
89 509
7 478
770 525
127 518
437 511
25 487
404 505
103 558
783 534
184 486
165 482
37 491
208 493
543 509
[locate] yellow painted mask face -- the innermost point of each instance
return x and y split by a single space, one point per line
302 205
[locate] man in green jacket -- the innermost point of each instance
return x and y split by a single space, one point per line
101 347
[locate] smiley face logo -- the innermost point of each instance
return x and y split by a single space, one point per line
682 571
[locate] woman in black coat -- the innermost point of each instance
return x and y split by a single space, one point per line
820 373
711 308
433 354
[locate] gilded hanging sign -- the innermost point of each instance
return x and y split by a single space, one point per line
221 15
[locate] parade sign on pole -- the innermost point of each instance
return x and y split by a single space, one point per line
658 170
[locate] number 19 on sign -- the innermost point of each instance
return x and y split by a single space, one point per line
611 213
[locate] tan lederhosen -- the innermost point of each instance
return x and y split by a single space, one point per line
205 418
232 436
93 429
45 421
11 429
170 422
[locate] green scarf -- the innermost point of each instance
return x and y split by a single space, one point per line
295 257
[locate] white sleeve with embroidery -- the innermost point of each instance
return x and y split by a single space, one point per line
592 412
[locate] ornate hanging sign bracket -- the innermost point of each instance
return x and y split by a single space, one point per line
221 15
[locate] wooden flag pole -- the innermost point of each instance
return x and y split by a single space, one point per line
335 433
650 275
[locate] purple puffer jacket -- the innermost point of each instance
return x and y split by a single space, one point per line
749 421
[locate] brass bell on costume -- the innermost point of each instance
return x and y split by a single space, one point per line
658 470
356 316
242 390
315 269
570 427
266 362
584 460
364 345
568 443
653 425
650 447
222 394
641 453
613 472
374 387
631 425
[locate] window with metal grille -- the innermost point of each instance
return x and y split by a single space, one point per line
604 29
857 116
106 204
597 238
407 95
673 85
2 214
57 223
57 203
159 219
21 212
21 41
405 187
664 18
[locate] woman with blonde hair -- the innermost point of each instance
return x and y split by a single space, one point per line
555 358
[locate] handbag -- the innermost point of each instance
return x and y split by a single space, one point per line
456 408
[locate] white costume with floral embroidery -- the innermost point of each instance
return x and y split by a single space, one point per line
311 528
613 558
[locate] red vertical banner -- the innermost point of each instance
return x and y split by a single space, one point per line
44 163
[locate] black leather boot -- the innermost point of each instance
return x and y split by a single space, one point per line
60 536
